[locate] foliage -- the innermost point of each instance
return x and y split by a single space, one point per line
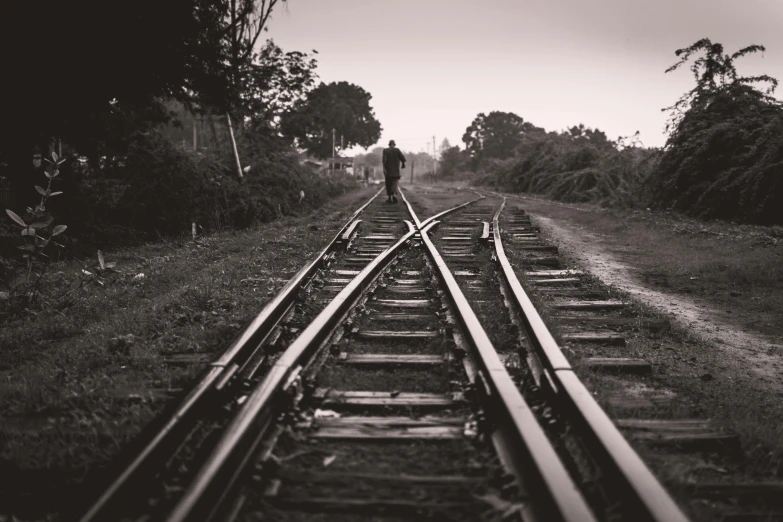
494 136
95 45
274 83
451 160
37 221
577 165
341 106
194 51
163 189
723 157
715 74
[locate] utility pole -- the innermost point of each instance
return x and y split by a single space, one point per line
413 166
334 131
434 161
234 145
195 144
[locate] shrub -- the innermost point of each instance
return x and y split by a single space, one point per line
724 158
575 166
162 189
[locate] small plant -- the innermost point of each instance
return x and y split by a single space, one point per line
35 224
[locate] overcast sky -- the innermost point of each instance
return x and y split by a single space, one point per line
433 65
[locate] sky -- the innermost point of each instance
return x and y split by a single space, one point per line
432 66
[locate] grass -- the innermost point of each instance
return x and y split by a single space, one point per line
72 394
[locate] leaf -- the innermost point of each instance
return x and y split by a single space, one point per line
56 193
61 161
328 460
4 296
27 248
29 231
110 265
40 190
59 229
15 217
54 156
42 243
56 173
48 175
100 260
42 222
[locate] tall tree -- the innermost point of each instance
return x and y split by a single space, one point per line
495 136
274 83
451 160
444 145
341 106
80 69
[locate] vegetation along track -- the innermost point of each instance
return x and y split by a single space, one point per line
393 402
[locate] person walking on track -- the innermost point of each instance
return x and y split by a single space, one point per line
392 157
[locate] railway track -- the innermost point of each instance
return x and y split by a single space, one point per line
369 387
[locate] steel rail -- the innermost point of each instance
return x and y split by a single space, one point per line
240 350
215 476
558 496
650 500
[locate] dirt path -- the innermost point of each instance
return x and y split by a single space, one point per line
755 352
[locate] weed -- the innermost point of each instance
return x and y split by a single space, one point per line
36 222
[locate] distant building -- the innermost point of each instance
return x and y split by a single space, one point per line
344 164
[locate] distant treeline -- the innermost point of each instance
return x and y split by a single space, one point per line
723 157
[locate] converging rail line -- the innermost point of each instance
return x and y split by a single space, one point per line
369 387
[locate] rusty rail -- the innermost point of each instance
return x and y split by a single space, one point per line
240 350
530 451
648 498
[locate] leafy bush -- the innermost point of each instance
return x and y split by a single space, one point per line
579 165
724 157
162 189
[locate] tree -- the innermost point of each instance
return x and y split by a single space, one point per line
116 62
444 145
451 160
274 83
94 48
495 136
715 74
723 155
342 106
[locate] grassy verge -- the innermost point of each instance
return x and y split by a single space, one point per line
81 379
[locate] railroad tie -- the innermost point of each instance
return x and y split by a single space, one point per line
589 305
569 292
382 360
651 401
387 429
608 338
686 434
395 334
618 365
336 399
650 323
552 273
